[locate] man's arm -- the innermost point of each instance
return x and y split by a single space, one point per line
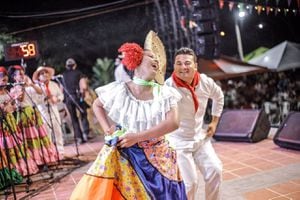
212 126
217 97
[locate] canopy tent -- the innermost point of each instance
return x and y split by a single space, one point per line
257 52
226 67
283 56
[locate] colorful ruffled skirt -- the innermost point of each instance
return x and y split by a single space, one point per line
12 145
144 171
36 137
7 177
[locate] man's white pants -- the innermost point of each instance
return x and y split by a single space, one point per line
204 158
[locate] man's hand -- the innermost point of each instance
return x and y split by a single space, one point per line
211 129
212 126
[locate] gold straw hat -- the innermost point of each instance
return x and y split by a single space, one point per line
154 44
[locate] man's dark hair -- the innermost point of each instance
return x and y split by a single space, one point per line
186 50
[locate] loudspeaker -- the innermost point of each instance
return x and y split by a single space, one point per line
206 28
288 134
243 126
204 13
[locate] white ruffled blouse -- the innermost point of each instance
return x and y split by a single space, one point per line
133 114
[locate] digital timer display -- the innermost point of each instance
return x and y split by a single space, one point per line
17 51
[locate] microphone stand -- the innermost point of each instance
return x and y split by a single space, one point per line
23 154
52 131
51 122
77 106
46 167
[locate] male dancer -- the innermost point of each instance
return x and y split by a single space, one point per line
194 149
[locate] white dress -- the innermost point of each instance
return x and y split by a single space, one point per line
50 115
147 170
133 114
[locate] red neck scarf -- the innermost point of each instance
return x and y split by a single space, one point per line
190 87
47 89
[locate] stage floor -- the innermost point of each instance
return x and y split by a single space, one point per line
252 171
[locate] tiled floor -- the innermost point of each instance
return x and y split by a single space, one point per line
257 171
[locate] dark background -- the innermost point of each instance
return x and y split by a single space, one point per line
86 30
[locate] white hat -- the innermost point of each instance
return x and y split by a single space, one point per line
50 70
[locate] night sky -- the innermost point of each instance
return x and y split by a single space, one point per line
100 35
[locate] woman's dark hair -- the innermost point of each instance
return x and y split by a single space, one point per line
129 72
11 72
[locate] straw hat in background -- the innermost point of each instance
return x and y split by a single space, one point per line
35 76
154 44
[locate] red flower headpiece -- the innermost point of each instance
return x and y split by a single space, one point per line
133 55
3 70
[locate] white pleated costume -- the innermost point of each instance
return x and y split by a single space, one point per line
133 114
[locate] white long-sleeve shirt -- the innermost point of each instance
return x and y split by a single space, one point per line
190 122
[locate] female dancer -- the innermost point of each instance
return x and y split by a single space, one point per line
139 164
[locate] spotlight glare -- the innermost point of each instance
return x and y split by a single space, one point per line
260 26
222 33
242 14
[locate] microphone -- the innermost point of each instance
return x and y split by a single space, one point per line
15 84
38 82
5 85
57 76
12 84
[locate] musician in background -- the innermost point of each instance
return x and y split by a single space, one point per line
75 89
52 95
24 92
20 157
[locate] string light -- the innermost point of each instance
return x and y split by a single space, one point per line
260 8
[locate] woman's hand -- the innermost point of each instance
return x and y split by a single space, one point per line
128 140
17 92
110 130
28 81
9 107
53 99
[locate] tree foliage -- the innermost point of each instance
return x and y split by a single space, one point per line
103 72
5 39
